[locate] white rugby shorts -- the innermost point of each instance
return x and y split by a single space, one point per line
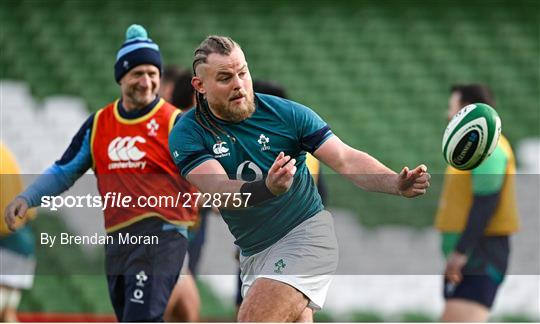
305 258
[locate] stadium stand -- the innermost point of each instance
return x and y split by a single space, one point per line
355 62
377 71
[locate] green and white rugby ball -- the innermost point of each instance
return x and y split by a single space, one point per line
471 136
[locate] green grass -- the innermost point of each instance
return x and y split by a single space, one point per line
366 316
214 308
514 318
323 316
415 317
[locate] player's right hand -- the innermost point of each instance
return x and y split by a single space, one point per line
15 211
454 266
281 174
412 183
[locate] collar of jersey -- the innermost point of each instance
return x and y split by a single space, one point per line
137 116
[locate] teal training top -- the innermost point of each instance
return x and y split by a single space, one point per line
247 154
488 177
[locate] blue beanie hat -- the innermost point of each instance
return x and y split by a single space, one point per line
137 49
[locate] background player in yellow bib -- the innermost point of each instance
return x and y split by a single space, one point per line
17 249
477 213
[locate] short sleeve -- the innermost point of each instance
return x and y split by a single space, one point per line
312 131
488 177
186 145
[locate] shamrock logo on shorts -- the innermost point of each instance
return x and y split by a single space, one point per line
279 266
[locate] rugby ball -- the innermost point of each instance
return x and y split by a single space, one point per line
471 136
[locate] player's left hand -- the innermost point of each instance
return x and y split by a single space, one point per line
455 263
281 174
412 183
15 212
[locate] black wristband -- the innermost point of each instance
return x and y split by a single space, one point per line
258 190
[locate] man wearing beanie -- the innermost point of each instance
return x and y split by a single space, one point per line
126 145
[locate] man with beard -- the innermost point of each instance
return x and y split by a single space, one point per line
248 151
313 165
126 144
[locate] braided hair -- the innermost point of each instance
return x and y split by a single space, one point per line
211 45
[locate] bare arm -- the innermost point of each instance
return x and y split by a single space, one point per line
368 173
210 177
56 179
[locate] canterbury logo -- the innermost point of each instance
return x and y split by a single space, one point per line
124 149
219 148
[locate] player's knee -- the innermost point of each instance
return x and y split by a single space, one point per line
242 315
184 302
306 316
261 303
461 310
247 312
254 309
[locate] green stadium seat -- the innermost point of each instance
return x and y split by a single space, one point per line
381 80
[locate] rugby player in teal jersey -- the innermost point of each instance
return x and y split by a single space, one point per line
238 142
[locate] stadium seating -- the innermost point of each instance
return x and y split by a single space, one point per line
38 132
378 72
360 65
